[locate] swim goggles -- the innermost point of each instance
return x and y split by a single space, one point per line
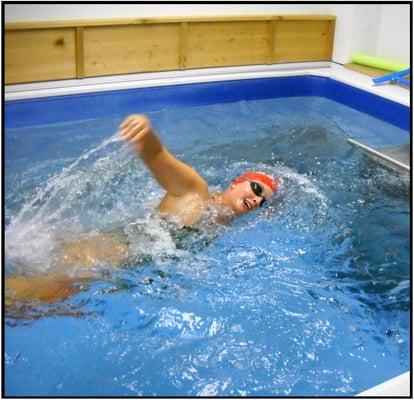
257 189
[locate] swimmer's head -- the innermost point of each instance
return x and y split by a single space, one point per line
250 191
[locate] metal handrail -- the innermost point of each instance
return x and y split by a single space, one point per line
380 155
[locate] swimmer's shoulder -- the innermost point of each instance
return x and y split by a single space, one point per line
188 208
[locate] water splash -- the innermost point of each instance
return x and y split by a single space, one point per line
282 302
61 208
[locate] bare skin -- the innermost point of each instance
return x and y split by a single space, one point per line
187 193
42 288
186 198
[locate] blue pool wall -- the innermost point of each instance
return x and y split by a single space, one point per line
77 107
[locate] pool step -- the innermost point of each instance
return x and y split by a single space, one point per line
396 158
400 153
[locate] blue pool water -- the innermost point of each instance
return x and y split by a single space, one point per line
308 296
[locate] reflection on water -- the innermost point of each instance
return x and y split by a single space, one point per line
307 296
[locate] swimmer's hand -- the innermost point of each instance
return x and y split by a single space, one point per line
176 177
137 129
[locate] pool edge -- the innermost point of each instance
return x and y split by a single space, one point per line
145 80
37 111
395 387
323 72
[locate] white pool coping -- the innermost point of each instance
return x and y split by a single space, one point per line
119 82
399 386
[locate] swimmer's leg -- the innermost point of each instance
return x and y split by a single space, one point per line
105 248
42 288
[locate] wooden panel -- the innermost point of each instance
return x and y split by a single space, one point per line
39 55
154 20
305 40
183 45
51 50
127 49
330 39
372 72
270 41
226 43
80 62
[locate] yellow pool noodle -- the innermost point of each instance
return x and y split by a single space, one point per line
376 62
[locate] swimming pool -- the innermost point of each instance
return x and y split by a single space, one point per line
309 296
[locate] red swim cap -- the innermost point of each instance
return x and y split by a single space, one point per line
258 176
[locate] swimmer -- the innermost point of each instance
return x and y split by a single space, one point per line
186 200
187 193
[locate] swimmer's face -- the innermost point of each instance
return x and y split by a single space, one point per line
248 195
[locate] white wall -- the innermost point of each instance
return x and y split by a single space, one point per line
356 30
382 30
38 12
394 33
377 29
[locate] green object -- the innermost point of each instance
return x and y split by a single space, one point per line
376 62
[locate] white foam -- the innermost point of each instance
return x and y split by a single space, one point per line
305 184
73 202
33 234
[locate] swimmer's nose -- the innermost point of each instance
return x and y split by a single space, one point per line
258 200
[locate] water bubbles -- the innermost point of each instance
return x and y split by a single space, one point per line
281 302
210 389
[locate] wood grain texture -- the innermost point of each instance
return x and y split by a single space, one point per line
128 49
158 20
80 61
183 45
54 50
305 40
211 44
40 55
372 72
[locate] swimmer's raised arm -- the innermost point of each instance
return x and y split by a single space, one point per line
176 177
